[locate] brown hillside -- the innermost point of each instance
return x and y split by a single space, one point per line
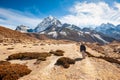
8 35
38 36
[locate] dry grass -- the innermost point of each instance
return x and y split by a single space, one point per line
28 55
42 44
14 36
24 46
57 52
39 60
10 48
117 50
13 71
4 63
35 44
65 62
5 44
42 59
109 59
10 77
1 41
60 51
97 47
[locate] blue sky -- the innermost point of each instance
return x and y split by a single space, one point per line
78 12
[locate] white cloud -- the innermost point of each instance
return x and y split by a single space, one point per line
12 18
85 14
117 5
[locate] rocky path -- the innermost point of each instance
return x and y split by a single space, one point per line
84 69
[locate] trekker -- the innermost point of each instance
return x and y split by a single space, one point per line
83 50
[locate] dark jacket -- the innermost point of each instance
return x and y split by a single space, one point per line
82 48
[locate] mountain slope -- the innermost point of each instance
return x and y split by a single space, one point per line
13 36
46 23
51 27
110 30
71 32
38 36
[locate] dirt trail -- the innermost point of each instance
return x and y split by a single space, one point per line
83 69
48 69
90 69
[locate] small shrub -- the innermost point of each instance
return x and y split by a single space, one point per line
42 44
65 62
4 63
42 58
1 41
35 44
11 77
71 61
60 51
24 46
66 65
5 44
10 48
28 55
39 60
51 52
13 71
109 59
57 52
116 50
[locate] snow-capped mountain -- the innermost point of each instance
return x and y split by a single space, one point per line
47 22
51 27
109 30
24 29
72 32
72 27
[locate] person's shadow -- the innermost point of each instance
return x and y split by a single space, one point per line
78 59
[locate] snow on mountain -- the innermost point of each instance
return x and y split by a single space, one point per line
80 33
105 27
118 27
24 29
72 33
54 34
63 33
47 22
109 30
99 37
72 27
87 32
53 28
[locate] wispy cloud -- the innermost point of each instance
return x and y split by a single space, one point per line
93 14
12 18
80 14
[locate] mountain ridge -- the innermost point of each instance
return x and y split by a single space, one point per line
53 28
